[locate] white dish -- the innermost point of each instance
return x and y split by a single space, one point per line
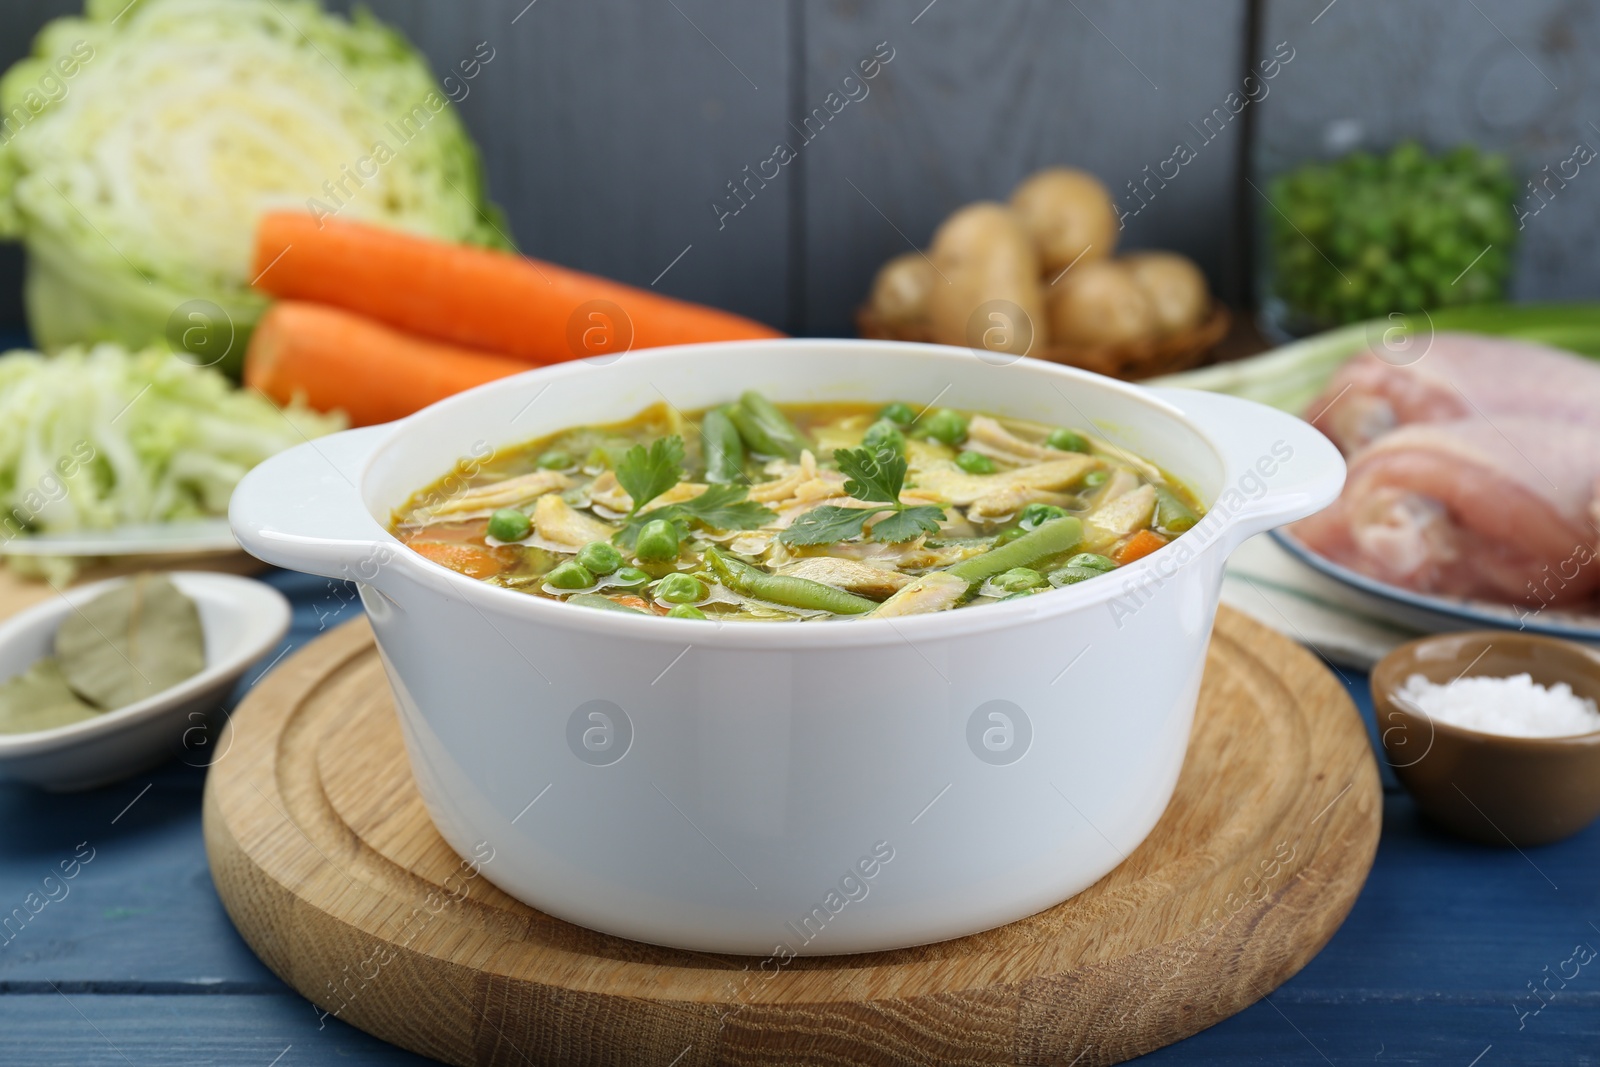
1439 614
192 537
242 619
725 787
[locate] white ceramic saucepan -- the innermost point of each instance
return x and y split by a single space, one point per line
800 787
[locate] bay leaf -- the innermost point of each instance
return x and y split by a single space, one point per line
131 642
40 699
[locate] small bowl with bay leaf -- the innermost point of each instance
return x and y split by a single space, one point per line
108 679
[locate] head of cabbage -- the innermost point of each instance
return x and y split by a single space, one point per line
140 143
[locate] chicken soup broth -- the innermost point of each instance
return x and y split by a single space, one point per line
756 510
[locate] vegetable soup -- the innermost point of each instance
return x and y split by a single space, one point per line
755 510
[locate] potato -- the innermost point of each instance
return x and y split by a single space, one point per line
1099 303
900 293
982 254
1175 286
1068 213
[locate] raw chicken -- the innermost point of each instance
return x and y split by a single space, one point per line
1460 376
1506 509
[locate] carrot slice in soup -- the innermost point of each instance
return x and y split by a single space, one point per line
1138 546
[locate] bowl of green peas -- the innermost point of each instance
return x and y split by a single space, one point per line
1370 234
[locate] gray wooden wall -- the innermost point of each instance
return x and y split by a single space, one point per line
611 127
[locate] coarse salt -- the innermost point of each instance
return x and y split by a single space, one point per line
1516 706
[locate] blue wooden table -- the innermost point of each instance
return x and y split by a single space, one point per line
1455 953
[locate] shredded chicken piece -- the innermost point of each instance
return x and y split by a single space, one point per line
1122 481
848 574
934 591
609 494
912 555
952 485
1127 513
987 436
1002 504
557 521
491 497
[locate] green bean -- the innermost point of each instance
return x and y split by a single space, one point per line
1051 539
764 428
787 590
1173 514
604 603
724 448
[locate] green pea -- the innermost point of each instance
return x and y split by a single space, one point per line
946 426
1018 580
1005 537
975 463
1093 561
686 611
680 589
555 460
1067 441
629 576
885 434
898 413
604 603
1035 515
1094 479
509 524
1073 575
599 557
570 575
658 540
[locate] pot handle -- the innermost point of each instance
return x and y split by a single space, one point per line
1276 467
302 508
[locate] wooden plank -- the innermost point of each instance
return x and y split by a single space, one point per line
977 97
85 1029
607 129
1506 74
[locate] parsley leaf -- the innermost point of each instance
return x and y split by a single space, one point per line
646 475
721 507
724 507
875 477
827 524
907 524
872 477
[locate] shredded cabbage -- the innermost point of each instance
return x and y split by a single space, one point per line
98 438
140 143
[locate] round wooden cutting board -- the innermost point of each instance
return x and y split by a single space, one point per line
327 862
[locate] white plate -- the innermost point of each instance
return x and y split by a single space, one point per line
1438 614
191 537
242 619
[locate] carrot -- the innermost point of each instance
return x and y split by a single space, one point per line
475 297
337 360
471 560
1138 546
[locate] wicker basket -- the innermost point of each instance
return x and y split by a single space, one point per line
1141 359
